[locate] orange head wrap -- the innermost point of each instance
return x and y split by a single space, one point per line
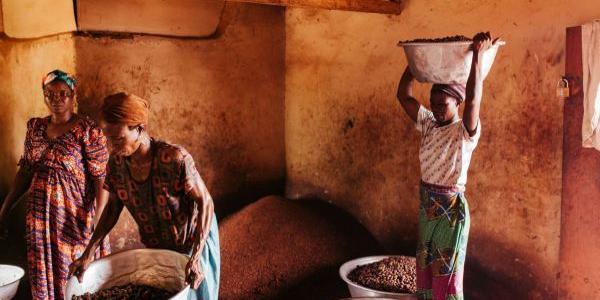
124 108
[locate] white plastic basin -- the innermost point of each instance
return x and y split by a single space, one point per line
9 281
159 268
357 290
448 62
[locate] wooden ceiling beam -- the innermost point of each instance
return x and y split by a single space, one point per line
373 6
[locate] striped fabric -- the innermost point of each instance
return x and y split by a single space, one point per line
61 206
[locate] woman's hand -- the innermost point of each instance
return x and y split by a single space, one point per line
193 273
483 41
78 267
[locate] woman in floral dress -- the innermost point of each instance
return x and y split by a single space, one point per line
63 168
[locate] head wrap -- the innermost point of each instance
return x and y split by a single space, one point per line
58 75
124 108
456 91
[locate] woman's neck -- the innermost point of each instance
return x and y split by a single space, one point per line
61 118
143 152
454 119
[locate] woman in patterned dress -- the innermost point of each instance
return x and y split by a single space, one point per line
160 186
63 168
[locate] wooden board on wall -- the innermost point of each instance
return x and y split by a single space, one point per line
373 6
580 241
186 18
37 18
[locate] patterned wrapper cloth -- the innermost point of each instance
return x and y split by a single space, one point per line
443 233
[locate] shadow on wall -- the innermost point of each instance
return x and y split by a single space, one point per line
481 283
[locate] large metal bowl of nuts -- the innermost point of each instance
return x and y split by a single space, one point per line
445 60
385 276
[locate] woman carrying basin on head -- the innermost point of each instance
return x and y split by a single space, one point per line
447 143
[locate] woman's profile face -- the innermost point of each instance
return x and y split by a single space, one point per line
59 97
123 140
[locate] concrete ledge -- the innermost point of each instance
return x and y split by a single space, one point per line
37 18
181 18
373 6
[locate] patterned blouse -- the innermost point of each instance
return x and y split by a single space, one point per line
161 206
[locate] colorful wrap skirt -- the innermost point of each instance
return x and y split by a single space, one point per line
442 245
